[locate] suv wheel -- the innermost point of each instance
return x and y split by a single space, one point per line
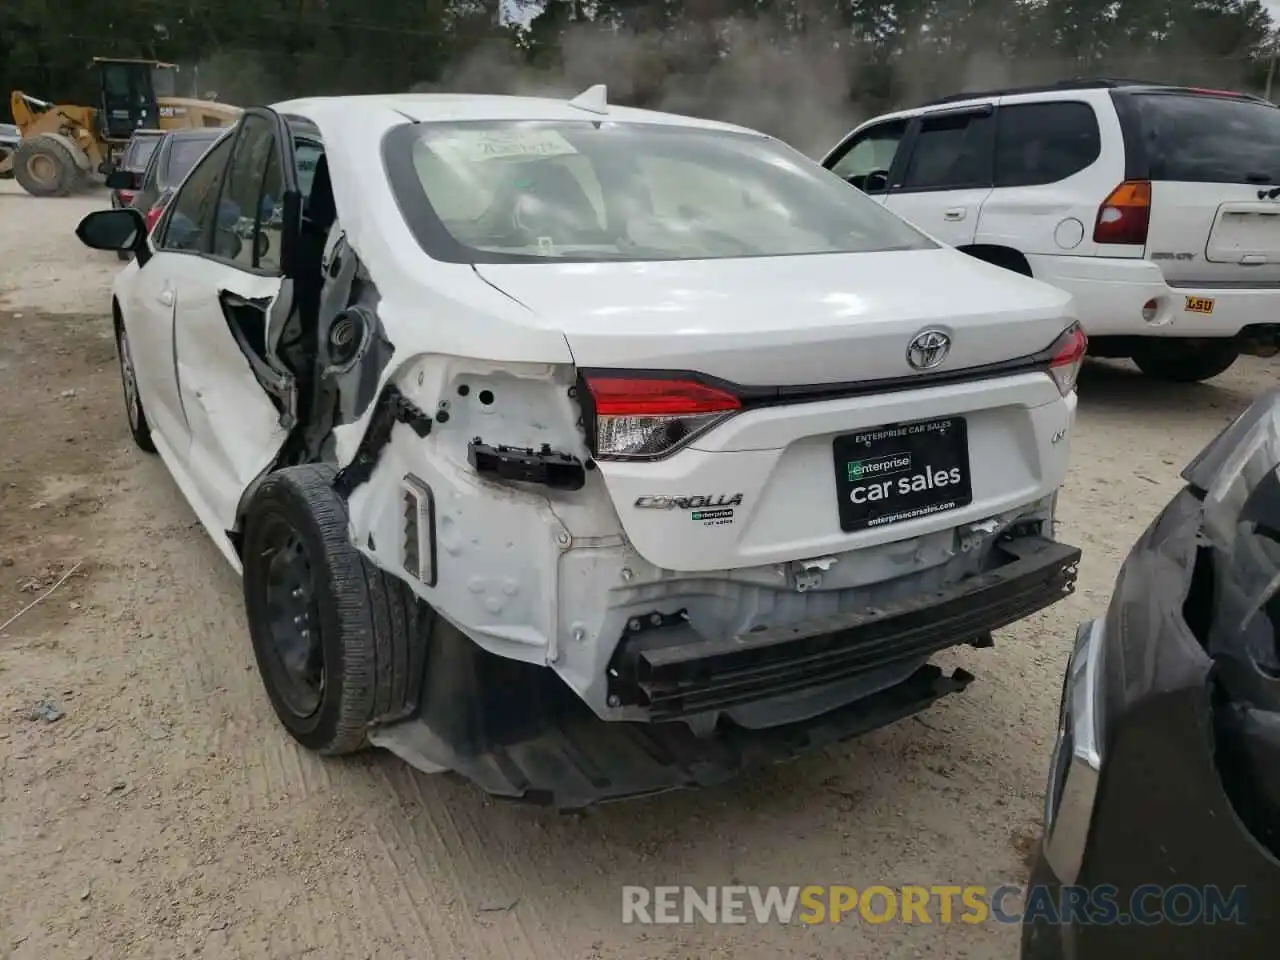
1185 361
331 632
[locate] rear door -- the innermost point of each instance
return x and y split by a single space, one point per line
947 174
1051 172
179 242
233 303
1214 165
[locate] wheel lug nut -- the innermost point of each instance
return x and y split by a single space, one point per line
297 593
299 620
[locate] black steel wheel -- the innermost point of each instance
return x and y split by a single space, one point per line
295 655
339 643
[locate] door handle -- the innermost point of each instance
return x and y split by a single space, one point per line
954 214
165 297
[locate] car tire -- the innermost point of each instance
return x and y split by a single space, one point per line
347 628
138 426
1185 361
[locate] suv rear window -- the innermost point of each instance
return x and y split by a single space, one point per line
138 153
1208 139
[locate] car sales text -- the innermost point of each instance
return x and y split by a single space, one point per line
883 489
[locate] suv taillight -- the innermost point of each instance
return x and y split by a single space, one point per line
1125 215
154 214
1067 357
644 418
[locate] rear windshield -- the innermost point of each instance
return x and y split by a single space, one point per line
139 152
585 191
1210 139
183 154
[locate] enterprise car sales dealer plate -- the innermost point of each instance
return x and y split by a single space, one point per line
901 471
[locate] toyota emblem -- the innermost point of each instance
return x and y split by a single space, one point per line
928 349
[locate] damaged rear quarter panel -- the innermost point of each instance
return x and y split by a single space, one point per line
498 545
442 326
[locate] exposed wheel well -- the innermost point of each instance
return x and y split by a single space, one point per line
999 256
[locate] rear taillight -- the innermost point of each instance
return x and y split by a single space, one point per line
643 418
1125 214
153 215
126 197
1067 357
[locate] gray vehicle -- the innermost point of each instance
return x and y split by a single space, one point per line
150 187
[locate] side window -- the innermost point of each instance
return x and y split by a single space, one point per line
952 152
270 224
306 156
872 151
154 161
190 224
245 196
1039 143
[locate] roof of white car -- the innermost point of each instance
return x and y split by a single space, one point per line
429 107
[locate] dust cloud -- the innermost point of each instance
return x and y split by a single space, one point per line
803 87
794 87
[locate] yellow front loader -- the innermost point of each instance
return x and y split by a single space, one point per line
65 146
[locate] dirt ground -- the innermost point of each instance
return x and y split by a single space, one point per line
151 806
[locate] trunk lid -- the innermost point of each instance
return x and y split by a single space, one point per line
799 320
785 482
1214 234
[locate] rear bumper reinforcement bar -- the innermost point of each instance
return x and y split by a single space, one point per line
673 671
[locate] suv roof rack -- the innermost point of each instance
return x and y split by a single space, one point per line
1076 83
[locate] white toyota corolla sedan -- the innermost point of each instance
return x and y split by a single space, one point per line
588 451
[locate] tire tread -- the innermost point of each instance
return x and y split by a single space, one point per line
376 614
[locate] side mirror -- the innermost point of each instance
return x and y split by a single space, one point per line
122 231
124 180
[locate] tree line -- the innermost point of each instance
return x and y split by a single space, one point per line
774 62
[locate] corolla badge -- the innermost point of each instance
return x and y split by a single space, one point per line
928 349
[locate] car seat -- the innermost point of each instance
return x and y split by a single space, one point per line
547 200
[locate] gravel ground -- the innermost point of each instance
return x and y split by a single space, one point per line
166 814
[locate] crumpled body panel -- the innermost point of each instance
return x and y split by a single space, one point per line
1188 791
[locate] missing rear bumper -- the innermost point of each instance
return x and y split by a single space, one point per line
664 667
572 759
